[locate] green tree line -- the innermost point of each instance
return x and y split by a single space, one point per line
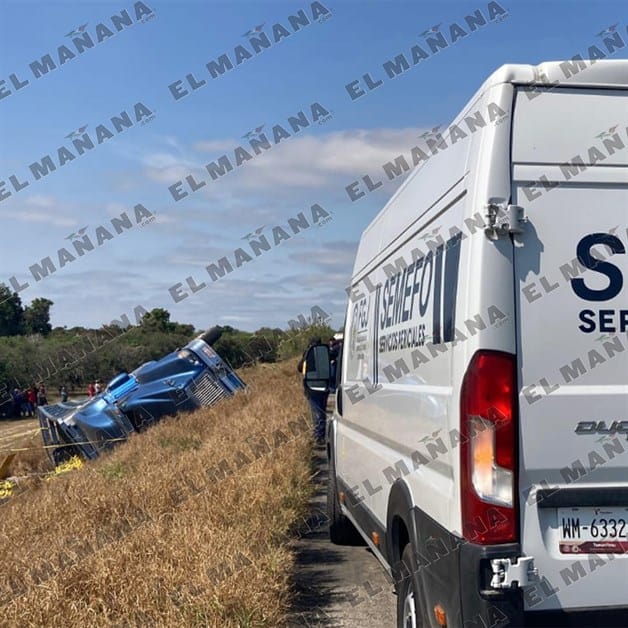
32 352
17 320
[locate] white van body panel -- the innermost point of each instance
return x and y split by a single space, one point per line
401 404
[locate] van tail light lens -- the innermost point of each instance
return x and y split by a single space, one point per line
488 428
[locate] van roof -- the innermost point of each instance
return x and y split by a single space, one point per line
574 72
608 73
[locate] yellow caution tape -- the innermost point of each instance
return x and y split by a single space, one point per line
20 435
60 445
7 486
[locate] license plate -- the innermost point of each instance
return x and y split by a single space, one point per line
593 530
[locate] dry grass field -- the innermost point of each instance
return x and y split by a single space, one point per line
187 524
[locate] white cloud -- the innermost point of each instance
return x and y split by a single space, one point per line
187 260
276 184
305 161
115 209
214 145
166 160
39 209
39 200
164 219
343 152
237 319
43 217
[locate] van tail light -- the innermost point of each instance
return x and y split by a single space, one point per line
488 428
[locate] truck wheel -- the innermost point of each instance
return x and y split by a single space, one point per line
341 530
63 454
408 610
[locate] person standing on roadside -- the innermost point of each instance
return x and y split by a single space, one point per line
334 355
27 408
31 395
42 399
16 397
316 398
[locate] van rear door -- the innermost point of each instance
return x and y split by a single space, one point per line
570 174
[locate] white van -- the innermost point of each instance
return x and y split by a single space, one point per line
479 445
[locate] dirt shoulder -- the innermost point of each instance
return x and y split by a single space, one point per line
337 585
12 431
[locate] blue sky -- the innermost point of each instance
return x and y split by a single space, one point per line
312 65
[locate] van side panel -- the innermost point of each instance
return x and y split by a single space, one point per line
402 310
419 317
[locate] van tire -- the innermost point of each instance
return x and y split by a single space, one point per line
341 530
408 609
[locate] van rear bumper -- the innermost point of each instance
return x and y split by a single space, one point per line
480 604
582 618
458 579
469 600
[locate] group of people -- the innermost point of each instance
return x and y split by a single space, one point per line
26 401
318 398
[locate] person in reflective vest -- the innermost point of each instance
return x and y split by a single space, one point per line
316 398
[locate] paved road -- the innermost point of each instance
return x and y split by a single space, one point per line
337 586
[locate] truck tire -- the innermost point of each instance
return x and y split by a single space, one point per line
408 610
341 530
63 454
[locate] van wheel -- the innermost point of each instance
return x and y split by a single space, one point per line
408 610
341 530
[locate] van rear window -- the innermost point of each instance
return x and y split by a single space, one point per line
555 126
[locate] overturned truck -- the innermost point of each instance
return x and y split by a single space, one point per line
186 379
